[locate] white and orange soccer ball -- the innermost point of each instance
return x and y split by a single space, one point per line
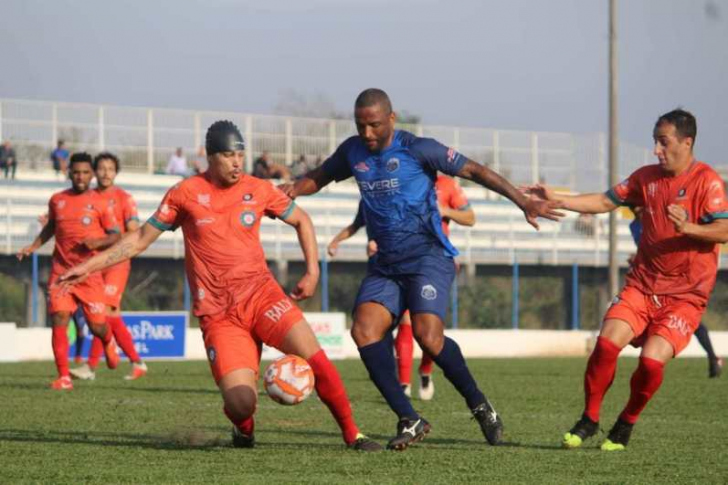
289 380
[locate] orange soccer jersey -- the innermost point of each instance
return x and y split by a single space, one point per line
450 194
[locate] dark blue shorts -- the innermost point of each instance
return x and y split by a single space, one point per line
420 285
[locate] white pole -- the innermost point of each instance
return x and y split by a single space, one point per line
150 141
102 139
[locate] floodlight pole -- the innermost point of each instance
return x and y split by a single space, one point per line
613 147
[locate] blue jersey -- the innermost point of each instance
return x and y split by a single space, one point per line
398 195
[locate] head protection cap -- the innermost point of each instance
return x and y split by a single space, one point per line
223 136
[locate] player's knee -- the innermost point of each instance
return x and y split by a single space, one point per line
240 401
98 329
365 334
430 339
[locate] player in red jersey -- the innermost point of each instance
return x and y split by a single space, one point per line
239 303
670 281
106 167
81 224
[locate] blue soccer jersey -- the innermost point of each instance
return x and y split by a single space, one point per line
397 188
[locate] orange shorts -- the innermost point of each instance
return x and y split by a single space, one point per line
233 339
673 318
88 294
115 279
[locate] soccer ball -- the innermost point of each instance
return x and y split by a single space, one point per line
288 380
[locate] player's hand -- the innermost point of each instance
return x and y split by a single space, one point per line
25 252
372 248
73 276
539 191
91 244
678 216
444 211
43 219
288 189
305 288
332 248
536 207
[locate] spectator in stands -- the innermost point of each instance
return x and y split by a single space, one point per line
264 168
59 157
199 164
177 164
8 160
585 224
301 166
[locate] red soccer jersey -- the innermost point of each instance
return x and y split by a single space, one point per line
450 194
77 217
122 204
221 228
669 263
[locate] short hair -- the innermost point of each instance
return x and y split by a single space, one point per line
80 157
683 121
107 156
371 97
61 143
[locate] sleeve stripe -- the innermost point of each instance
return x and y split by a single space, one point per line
159 225
613 197
711 217
464 207
132 218
288 211
113 230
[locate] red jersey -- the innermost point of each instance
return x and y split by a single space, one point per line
450 194
669 263
221 227
77 217
122 204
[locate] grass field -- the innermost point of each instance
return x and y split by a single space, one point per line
168 428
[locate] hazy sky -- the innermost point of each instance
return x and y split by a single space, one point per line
509 64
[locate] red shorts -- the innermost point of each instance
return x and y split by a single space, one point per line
671 317
115 279
233 339
88 294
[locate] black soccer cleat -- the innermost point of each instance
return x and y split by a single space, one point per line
409 431
364 443
241 440
618 436
583 429
490 422
715 367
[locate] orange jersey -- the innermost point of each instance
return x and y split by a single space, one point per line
669 263
77 217
122 204
450 194
221 226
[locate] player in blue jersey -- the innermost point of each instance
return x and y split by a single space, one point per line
413 267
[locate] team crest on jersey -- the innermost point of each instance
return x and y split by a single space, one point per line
681 194
85 220
392 165
429 292
361 167
203 199
61 204
247 218
211 354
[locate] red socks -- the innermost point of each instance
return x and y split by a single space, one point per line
426 364
404 348
599 375
94 355
60 349
331 390
645 382
123 337
246 426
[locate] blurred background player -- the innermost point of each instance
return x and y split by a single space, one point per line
59 157
239 303
715 363
414 266
106 167
685 215
79 220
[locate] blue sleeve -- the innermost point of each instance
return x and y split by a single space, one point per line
359 219
437 156
337 165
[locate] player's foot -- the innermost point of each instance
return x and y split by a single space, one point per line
241 440
583 429
138 369
112 356
715 367
78 360
409 431
407 389
427 387
62 384
618 436
85 373
364 443
490 422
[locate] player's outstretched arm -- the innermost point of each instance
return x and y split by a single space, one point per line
532 207
310 183
301 222
45 234
461 217
714 232
594 203
343 235
132 244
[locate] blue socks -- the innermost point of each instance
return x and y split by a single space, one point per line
453 365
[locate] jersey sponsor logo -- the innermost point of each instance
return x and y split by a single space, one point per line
164 209
279 309
211 354
203 199
205 220
379 186
429 292
452 155
111 289
361 167
652 189
392 165
248 199
248 218
681 194
200 294
60 204
85 220
678 323
96 308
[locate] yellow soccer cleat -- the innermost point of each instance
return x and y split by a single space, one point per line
609 445
583 429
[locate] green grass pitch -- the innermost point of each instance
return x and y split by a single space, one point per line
168 428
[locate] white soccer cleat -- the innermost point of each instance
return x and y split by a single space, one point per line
407 390
137 371
427 387
85 373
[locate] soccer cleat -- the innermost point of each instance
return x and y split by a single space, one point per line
583 429
241 440
409 431
490 422
62 384
715 367
618 436
427 387
138 369
364 443
85 373
407 389
112 356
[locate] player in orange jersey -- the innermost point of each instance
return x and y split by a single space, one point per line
668 286
81 224
239 303
106 167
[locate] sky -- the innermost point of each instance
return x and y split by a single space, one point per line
536 65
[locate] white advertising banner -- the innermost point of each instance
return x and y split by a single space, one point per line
330 329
